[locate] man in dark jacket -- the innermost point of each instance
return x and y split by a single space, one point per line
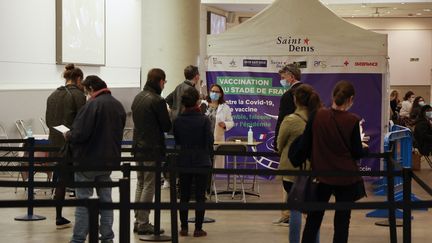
151 120
62 106
290 79
192 77
95 138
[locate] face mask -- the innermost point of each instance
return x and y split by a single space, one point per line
214 96
428 114
421 103
285 84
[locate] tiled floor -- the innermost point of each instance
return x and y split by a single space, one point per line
231 226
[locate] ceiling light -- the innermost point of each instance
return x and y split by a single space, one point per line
402 3
427 9
418 14
363 5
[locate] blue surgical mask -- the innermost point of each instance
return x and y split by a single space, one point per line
421 103
428 114
214 96
285 84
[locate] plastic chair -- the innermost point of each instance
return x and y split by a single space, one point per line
3 135
247 164
233 192
44 125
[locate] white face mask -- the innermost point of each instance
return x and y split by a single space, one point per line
421 103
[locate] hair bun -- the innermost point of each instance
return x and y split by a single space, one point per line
70 66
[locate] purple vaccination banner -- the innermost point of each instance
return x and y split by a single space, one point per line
254 101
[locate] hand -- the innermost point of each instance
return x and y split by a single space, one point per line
364 145
222 124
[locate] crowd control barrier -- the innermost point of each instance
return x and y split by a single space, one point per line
124 205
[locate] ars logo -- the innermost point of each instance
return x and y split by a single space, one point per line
233 63
321 64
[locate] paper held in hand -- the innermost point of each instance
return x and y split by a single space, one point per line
62 128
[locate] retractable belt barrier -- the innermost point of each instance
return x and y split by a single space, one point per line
124 205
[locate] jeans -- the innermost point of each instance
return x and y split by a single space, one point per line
144 192
186 181
341 218
295 221
81 226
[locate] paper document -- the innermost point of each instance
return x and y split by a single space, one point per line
62 128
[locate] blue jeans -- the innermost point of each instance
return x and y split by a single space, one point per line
81 227
295 221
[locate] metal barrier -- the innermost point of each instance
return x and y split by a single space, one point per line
124 206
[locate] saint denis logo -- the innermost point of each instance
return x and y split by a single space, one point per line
297 45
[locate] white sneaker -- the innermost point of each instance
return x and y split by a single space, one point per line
166 184
283 221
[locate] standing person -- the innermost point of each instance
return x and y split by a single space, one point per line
96 137
307 102
192 132
192 77
151 120
290 79
62 106
336 145
423 130
220 116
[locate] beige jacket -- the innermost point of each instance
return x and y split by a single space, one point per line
291 127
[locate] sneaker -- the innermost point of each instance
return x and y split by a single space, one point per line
63 223
283 221
199 233
147 229
166 184
183 232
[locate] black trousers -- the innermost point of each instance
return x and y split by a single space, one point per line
341 219
200 181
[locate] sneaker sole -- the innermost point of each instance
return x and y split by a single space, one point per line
64 226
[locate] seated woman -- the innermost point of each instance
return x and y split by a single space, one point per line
423 130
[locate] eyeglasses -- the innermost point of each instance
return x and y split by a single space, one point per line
215 91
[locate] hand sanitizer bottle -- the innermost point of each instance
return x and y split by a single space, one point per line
250 135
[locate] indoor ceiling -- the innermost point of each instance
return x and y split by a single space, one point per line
345 8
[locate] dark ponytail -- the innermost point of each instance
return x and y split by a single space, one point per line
306 96
342 92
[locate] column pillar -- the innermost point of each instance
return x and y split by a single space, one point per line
170 38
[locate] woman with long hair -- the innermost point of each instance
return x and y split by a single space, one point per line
307 102
336 145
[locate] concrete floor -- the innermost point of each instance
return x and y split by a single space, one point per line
231 226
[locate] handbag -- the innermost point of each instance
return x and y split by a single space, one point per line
304 189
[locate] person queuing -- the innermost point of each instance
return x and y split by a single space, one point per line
220 116
290 79
192 78
62 107
192 132
151 120
96 136
307 102
336 145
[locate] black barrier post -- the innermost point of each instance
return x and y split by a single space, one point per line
93 212
406 205
124 209
126 170
173 201
157 235
391 199
30 189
